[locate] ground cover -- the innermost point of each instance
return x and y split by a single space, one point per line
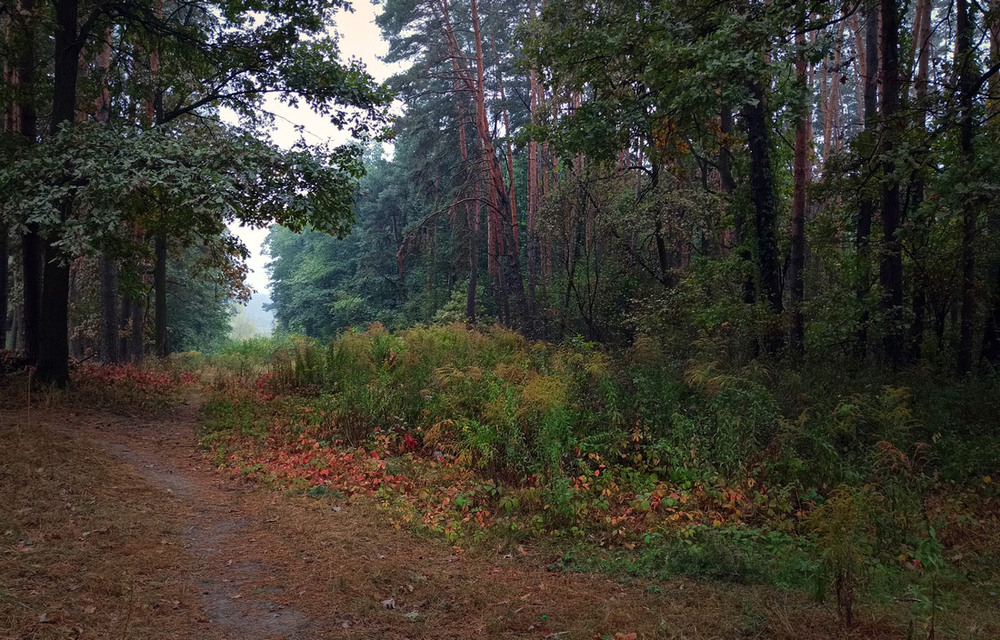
487 438
118 527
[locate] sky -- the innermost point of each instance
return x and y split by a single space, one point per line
359 38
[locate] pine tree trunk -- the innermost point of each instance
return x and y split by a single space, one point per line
4 283
124 344
17 331
967 89
799 178
504 232
110 339
132 331
921 52
533 183
860 34
866 204
53 353
833 99
991 334
472 218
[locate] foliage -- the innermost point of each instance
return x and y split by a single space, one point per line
131 388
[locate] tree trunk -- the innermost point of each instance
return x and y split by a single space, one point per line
132 331
991 335
472 218
891 264
160 286
533 183
505 232
31 243
109 310
17 331
833 103
801 158
31 265
921 53
860 57
739 215
4 283
110 339
763 196
866 203
53 347
53 354
967 89
124 319
662 258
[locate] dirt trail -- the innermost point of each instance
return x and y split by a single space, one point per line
237 594
258 564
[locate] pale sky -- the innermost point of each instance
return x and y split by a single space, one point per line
359 38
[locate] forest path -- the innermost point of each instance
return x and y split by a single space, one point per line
249 563
241 593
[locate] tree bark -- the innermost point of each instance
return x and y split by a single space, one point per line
799 178
533 182
25 121
31 266
728 184
110 340
763 196
921 53
53 348
53 354
991 334
160 286
891 264
4 283
866 203
132 330
966 87
505 232
859 34
109 310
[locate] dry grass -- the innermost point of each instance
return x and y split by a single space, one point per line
87 549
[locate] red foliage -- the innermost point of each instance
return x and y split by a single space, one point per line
410 443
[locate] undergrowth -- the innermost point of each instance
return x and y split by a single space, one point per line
857 488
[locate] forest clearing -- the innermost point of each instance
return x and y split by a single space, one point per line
617 319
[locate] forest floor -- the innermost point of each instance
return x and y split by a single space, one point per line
116 526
